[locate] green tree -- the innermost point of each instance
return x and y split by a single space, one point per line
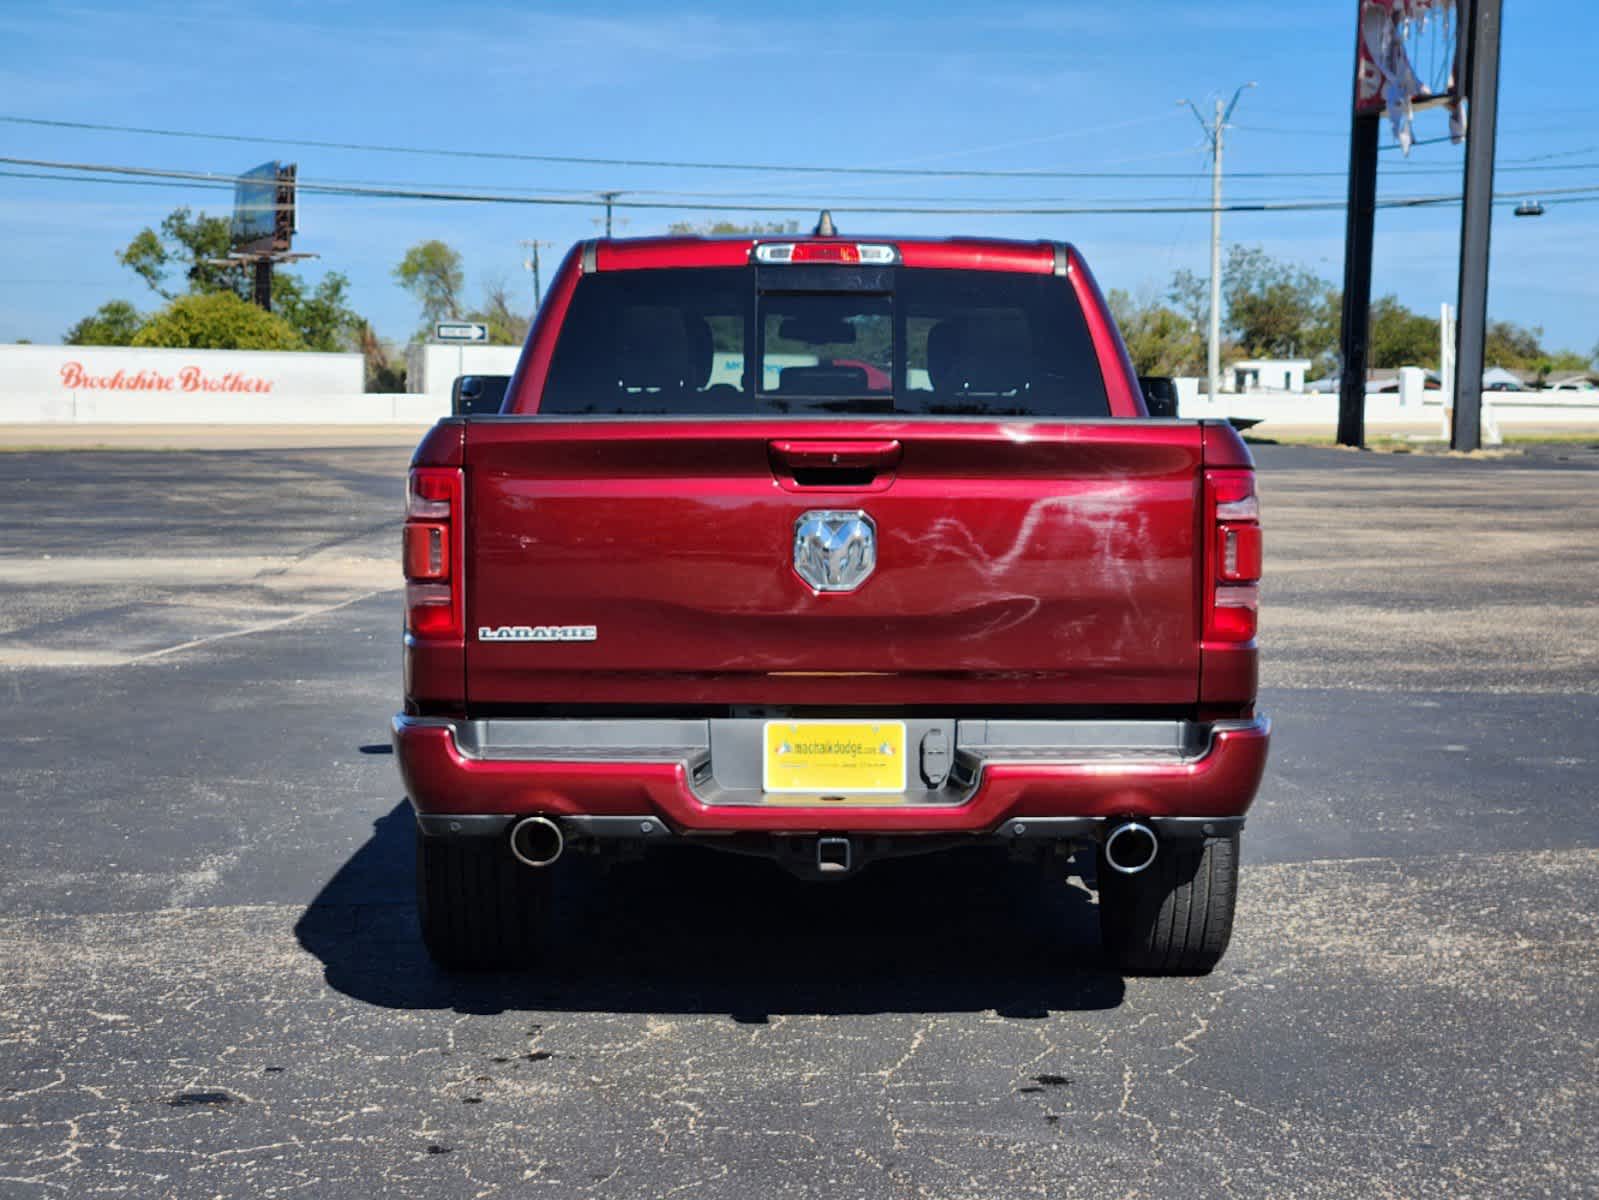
507 327
187 245
190 246
1322 334
1275 309
385 368
217 321
1520 348
1160 340
1399 337
431 272
1514 347
1558 362
1190 295
322 316
114 323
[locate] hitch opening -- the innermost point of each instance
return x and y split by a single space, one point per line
832 855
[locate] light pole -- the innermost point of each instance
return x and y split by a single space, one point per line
1213 134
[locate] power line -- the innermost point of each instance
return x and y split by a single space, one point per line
563 159
801 199
593 196
156 176
1556 154
779 168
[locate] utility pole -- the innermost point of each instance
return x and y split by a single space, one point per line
1476 223
610 199
1213 134
532 264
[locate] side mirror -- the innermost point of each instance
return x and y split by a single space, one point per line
478 394
1160 395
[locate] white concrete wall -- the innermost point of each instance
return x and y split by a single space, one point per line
1510 409
118 378
134 386
431 369
365 408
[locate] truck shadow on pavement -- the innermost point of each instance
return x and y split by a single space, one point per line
696 931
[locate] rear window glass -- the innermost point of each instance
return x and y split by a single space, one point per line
787 340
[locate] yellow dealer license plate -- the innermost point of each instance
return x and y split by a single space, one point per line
835 758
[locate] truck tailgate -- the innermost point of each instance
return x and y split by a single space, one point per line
1016 562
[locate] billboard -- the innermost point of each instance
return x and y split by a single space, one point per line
263 209
1408 55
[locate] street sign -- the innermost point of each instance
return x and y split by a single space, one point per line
461 331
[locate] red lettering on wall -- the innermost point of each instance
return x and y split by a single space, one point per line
188 379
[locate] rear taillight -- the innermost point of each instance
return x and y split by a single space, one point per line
1233 556
431 553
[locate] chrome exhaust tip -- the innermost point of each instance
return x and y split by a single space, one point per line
537 841
1130 847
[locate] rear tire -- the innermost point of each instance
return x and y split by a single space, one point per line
480 909
1176 916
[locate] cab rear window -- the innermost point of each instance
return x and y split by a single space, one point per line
750 341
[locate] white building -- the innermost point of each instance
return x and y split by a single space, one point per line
431 368
1267 375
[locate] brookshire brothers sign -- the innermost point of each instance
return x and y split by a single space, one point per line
116 383
75 377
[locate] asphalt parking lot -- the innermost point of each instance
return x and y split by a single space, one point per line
210 983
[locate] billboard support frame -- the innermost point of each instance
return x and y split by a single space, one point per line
261 271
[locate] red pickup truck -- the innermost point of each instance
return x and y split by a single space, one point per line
828 550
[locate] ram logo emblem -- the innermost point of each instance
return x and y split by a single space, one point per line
835 551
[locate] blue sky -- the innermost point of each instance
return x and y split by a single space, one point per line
1064 86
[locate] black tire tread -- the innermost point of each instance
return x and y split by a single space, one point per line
1175 917
479 909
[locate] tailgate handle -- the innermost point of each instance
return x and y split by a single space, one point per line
836 456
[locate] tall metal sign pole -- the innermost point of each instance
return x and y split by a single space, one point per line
1476 223
1360 219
